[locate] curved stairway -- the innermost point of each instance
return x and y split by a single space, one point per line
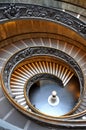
21 75
9 112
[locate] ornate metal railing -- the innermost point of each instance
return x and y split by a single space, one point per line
38 51
22 11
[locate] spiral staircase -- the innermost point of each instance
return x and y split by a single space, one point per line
38 46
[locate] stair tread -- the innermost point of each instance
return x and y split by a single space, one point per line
17 119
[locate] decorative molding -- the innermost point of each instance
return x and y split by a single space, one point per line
11 11
18 11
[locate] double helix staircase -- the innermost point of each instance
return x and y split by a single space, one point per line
7 112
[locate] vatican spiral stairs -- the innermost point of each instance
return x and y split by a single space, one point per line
19 76
26 70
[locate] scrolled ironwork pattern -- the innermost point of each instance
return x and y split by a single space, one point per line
27 53
39 51
18 11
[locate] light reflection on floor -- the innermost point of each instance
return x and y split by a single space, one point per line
43 89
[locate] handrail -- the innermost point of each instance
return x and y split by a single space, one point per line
71 6
22 11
